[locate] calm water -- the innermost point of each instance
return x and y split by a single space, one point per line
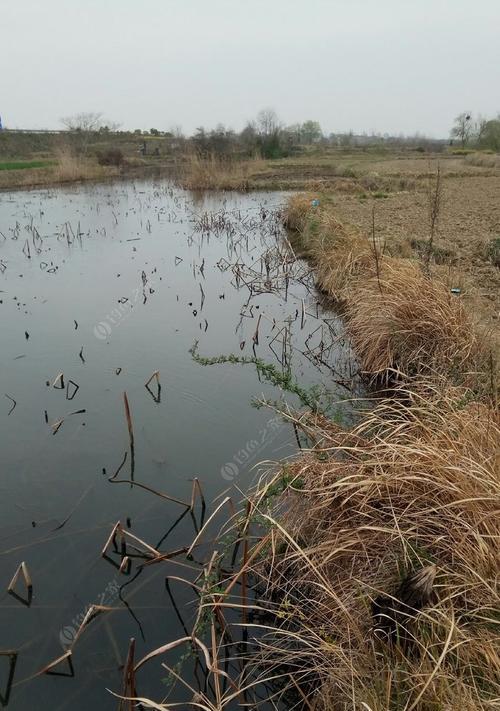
107 285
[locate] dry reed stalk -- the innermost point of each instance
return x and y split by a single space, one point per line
213 173
156 376
129 421
129 687
416 484
22 569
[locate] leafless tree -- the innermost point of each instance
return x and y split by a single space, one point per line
462 128
86 122
268 122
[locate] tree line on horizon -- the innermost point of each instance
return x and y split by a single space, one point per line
269 137
266 135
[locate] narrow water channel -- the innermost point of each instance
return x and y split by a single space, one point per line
100 288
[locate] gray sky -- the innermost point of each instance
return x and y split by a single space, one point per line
382 65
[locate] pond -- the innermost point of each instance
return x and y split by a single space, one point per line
104 289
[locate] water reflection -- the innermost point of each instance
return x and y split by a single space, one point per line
103 292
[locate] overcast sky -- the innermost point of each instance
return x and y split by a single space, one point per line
381 65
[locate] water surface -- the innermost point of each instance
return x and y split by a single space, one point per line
106 285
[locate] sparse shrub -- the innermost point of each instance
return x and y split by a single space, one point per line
481 160
440 255
111 156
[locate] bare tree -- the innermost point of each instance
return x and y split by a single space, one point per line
86 122
82 127
268 122
480 128
462 128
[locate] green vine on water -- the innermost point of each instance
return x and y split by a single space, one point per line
308 396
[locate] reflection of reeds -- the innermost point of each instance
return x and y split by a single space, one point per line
12 656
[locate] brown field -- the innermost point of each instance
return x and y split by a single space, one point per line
397 188
469 222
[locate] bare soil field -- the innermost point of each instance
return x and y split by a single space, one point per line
468 228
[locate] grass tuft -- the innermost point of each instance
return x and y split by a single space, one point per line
416 484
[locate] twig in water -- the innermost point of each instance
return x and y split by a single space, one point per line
13 405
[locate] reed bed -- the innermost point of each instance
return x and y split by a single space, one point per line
72 167
199 172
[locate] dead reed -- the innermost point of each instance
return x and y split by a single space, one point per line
211 172
416 484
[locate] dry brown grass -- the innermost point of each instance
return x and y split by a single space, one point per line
339 255
72 167
416 483
401 315
215 173
410 322
482 160
69 168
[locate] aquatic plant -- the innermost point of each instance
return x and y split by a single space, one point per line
310 397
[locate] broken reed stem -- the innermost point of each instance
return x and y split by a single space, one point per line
193 544
22 568
256 334
155 375
197 487
59 382
129 676
129 420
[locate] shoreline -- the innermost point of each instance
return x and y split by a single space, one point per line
376 550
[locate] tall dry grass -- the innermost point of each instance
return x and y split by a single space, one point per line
482 160
416 484
399 316
73 167
212 172
407 321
